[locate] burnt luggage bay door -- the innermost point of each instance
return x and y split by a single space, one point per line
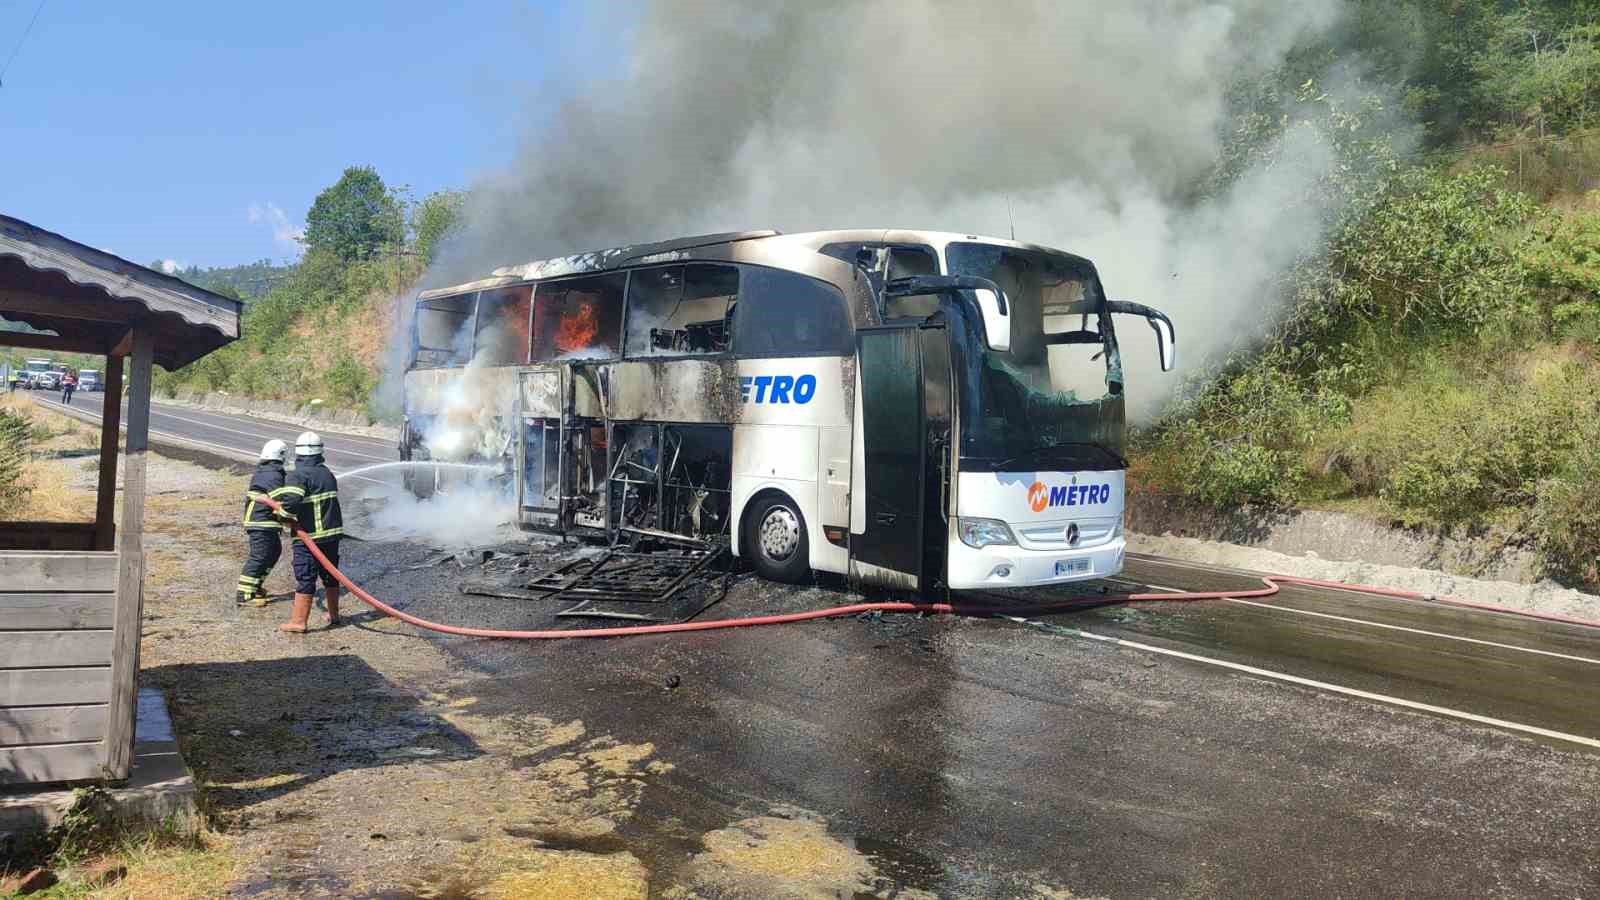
901 476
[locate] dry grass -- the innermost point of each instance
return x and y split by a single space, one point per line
156 868
50 498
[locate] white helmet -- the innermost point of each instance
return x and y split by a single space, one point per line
274 450
309 443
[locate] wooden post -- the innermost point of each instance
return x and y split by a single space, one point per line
130 574
105 505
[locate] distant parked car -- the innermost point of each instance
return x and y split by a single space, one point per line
88 380
47 381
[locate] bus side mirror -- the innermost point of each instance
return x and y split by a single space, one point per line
985 294
1166 336
996 324
1166 342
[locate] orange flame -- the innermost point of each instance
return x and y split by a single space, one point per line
577 332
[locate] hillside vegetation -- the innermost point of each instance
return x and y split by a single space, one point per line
320 328
1435 361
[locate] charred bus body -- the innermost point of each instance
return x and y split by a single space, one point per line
910 408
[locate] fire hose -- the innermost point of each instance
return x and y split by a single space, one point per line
1271 586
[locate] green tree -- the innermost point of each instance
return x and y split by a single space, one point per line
434 219
354 217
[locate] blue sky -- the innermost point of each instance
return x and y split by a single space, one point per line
200 132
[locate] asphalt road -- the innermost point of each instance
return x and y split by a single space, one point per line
991 758
240 434
1316 742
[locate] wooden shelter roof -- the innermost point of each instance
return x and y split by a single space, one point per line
91 298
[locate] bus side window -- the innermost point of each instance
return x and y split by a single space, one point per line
578 318
503 327
680 310
787 314
905 262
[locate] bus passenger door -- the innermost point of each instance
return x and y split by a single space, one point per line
904 377
541 405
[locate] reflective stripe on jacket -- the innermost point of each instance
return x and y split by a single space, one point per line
268 480
312 494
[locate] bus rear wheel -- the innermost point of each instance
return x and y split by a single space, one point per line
775 540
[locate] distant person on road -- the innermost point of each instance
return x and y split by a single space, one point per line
14 379
69 384
263 532
312 502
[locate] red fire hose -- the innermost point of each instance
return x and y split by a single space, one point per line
1272 583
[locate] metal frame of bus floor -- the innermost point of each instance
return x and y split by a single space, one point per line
620 576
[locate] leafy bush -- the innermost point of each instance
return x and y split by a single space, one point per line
348 381
15 437
1566 518
1562 257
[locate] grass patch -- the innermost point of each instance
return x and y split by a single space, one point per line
93 855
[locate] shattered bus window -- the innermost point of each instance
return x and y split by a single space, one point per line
503 324
1055 396
580 318
444 335
680 310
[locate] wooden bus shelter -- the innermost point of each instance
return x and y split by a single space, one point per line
71 595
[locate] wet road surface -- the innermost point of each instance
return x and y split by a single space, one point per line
988 758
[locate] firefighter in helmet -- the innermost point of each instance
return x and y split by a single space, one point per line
312 501
263 532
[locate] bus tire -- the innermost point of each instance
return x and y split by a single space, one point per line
775 539
420 480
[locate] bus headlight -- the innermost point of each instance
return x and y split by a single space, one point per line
982 533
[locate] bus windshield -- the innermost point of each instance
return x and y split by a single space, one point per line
444 331
1053 401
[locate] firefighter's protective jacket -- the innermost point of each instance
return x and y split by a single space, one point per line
312 494
267 481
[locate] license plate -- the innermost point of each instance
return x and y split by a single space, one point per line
1072 567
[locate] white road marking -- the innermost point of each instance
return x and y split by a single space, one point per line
257 435
267 434
240 454
1437 634
1278 607
1327 686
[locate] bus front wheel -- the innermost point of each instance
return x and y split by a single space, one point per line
775 540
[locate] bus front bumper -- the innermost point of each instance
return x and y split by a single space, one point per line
1003 566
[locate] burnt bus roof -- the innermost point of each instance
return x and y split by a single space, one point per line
718 247
594 261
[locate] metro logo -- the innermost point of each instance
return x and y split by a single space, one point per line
1040 495
777 388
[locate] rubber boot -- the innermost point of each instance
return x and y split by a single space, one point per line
260 599
298 615
241 597
331 596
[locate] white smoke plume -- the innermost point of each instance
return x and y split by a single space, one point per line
469 510
1088 122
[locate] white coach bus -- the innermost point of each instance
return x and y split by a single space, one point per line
909 408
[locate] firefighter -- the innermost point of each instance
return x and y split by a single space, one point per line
312 501
261 528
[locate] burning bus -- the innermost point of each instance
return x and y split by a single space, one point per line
911 408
